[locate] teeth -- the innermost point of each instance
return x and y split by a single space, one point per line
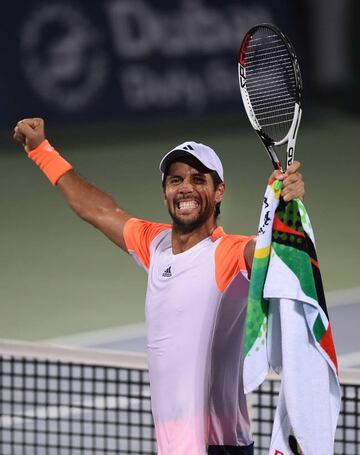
187 205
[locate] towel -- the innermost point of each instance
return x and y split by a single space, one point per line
288 330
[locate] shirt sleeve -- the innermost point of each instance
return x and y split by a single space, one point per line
230 259
138 235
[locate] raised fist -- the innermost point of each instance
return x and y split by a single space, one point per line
30 132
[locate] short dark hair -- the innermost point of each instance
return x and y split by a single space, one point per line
216 180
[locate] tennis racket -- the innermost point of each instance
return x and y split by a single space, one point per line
271 86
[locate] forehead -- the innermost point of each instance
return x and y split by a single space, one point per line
187 164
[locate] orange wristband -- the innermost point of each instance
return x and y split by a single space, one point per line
49 161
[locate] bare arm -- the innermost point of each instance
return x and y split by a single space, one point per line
90 203
94 206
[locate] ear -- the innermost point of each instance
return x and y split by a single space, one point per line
219 192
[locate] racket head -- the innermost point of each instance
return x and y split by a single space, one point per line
270 83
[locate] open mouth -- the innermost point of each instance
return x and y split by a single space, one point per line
187 204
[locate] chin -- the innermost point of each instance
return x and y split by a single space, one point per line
189 224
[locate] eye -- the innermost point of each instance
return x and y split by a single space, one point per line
174 179
199 179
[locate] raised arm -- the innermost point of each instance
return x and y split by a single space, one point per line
90 203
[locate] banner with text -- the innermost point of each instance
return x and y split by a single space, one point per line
79 61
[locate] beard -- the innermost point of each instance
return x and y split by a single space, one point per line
187 226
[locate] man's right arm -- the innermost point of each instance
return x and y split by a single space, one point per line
90 203
94 206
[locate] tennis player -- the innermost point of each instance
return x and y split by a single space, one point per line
198 279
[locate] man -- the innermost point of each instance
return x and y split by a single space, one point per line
196 295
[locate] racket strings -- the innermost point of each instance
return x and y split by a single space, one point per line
271 83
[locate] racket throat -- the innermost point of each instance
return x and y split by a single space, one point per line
269 146
275 160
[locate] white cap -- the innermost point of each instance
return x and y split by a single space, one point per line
201 152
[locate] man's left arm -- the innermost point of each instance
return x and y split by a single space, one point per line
292 187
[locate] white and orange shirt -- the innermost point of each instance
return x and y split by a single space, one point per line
195 311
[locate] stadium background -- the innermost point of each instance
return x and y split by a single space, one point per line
121 82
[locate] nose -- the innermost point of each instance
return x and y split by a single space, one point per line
186 186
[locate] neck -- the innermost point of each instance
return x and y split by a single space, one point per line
182 241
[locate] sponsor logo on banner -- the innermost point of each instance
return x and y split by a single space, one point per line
62 56
176 35
138 54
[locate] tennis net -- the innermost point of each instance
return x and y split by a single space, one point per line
57 401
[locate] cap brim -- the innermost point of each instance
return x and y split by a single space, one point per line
172 156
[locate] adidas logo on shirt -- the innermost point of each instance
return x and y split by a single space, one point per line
167 272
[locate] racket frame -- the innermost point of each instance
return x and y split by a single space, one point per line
290 137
